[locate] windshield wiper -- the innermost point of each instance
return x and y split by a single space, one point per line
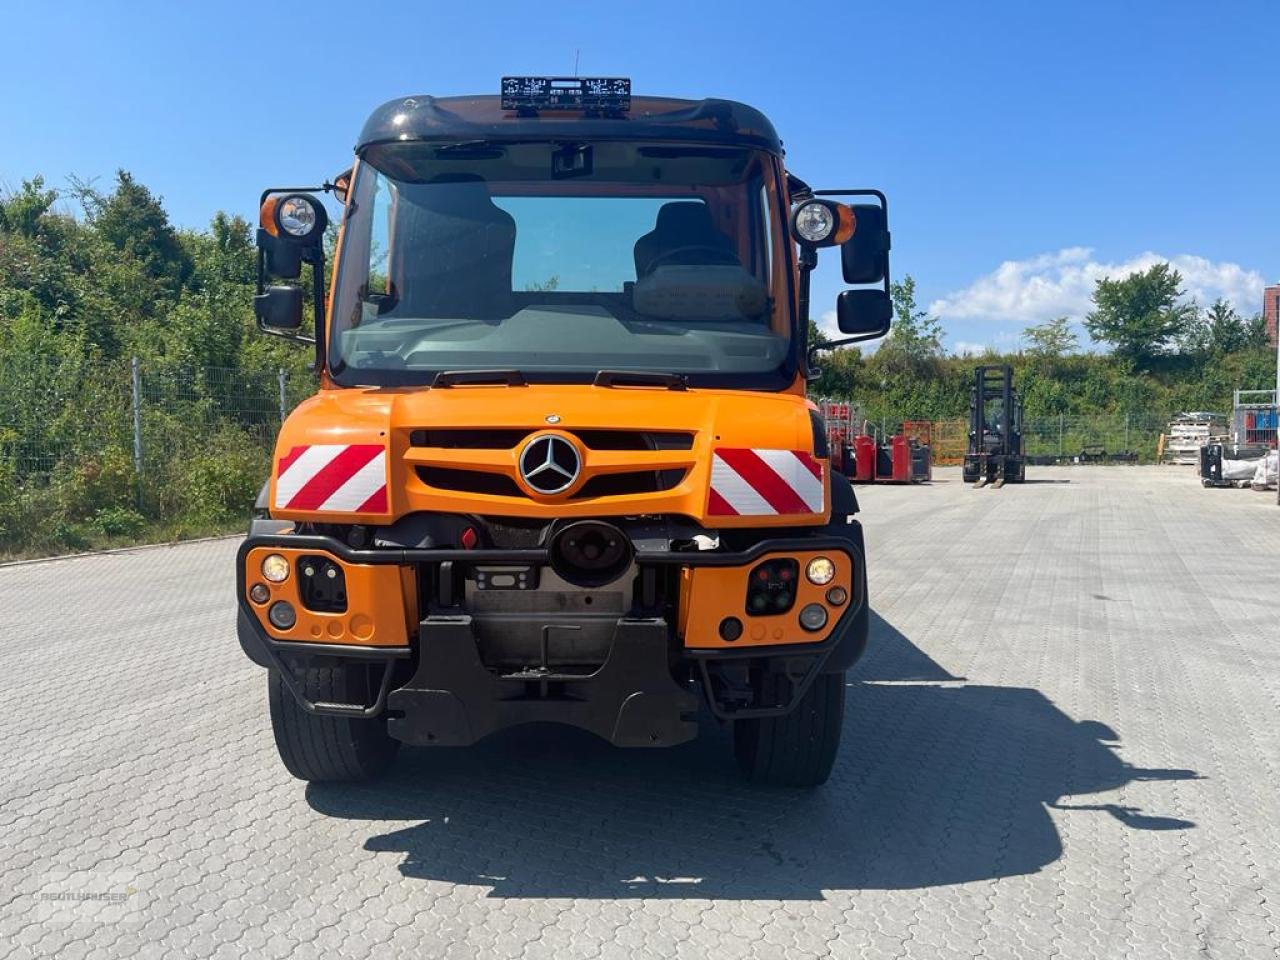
638 378
453 378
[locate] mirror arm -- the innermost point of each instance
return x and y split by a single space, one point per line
286 335
317 303
845 341
884 201
808 259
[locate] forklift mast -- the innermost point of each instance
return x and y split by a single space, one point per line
995 453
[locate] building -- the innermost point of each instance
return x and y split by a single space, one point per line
1271 312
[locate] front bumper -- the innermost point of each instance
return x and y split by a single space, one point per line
438 691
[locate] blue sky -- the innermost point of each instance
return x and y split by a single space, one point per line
1027 147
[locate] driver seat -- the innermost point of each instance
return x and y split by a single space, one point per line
681 223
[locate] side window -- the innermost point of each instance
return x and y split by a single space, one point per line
380 239
762 225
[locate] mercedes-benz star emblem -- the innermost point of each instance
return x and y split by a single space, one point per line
549 463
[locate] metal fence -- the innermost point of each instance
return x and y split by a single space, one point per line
56 417
1090 437
53 416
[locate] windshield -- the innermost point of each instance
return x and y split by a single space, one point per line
561 260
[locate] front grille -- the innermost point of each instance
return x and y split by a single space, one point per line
467 439
634 439
626 484
461 477
470 481
501 438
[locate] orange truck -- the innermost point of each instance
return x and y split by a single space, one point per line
561 466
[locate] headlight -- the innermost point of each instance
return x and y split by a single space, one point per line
275 568
297 215
820 571
814 221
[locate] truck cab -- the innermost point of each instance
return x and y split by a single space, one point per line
560 465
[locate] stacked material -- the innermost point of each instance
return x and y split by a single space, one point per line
1187 433
1257 473
1267 474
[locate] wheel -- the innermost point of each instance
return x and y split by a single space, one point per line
796 750
329 749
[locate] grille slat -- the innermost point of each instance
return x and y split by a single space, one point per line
502 438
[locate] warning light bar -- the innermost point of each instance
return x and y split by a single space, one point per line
602 95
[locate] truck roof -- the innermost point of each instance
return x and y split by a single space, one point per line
712 121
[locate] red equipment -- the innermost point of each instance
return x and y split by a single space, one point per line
901 460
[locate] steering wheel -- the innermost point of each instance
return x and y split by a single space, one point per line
706 255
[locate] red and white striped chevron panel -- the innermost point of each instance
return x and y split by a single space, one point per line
337 477
747 482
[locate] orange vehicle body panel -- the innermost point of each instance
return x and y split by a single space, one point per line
709 594
382 603
387 416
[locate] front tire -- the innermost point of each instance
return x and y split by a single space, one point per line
329 749
798 749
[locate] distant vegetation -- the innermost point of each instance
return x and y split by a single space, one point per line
82 295
79 297
1168 355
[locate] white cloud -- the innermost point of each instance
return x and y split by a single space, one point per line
965 348
1056 284
827 324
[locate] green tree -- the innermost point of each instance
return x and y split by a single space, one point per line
1256 335
915 333
1140 315
1052 339
21 212
1217 331
132 220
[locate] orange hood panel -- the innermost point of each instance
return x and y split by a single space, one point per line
363 455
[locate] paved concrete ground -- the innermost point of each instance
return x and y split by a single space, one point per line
1065 741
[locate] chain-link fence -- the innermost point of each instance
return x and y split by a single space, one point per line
97 452
91 453
1091 438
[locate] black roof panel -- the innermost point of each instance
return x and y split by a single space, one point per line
650 118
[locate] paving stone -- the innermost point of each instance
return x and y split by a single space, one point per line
1063 741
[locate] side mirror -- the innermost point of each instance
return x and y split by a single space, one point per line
279 308
865 256
865 314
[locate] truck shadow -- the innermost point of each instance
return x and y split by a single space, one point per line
938 782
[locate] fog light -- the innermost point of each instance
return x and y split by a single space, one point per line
813 617
275 568
283 616
259 593
730 629
836 596
820 571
